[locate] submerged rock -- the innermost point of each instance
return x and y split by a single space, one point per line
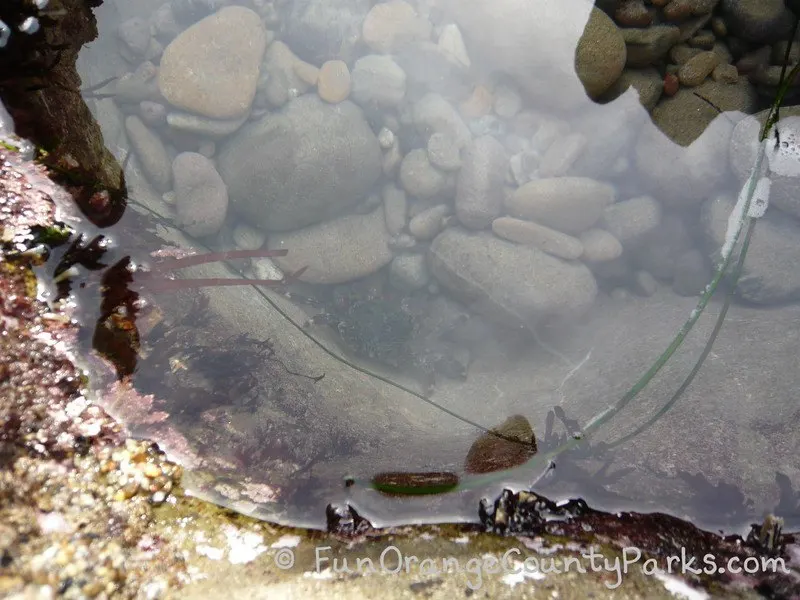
212 67
151 153
568 204
378 80
390 25
338 251
201 200
320 30
302 165
479 188
511 283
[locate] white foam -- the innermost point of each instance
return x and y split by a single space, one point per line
783 148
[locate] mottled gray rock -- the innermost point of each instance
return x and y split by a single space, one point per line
418 177
302 165
599 246
409 272
151 153
562 154
610 131
378 80
393 24
451 42
444 152
153 114
647 46
479 187
771 272
391 160
203 126
568 204
386 138
647 82
134 33
434 114
514 284
395 206
695 70
430 69
320 30
507 101
630 221
247 237
549 240
201 199
763 21
286 76
427 224
138 85
221 52
338 251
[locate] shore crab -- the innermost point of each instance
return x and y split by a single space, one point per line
396 331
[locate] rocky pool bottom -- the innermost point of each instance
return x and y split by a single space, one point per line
86 511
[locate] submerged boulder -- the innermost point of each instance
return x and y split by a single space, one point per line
301 166
511 283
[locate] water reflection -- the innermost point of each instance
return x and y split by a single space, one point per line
486 204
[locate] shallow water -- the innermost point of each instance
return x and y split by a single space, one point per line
558 322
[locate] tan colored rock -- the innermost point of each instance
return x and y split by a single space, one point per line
337 251
334 81
212 67
599 246
478 104
390 25
568 204
525 232
695 70
427 224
